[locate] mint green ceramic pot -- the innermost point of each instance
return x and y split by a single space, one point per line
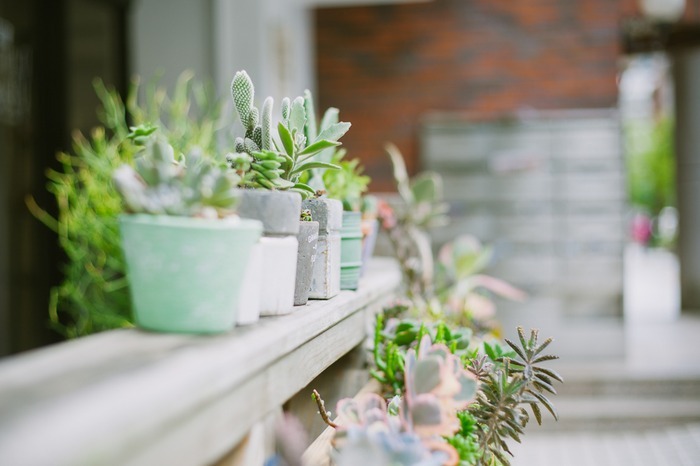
350 250
185 273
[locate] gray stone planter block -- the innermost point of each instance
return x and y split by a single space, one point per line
327 212
326 276
306 257
277 210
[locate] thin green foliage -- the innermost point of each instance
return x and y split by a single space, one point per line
507 386
347 184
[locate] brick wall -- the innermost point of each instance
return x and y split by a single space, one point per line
386 66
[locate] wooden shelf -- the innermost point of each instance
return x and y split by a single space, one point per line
132 397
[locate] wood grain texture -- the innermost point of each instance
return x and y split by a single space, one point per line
131 397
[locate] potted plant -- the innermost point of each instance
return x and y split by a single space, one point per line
277 158
93 295
347 185
328 212
185 248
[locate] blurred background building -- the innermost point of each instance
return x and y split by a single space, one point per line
532 111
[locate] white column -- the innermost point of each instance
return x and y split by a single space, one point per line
687 77
170 36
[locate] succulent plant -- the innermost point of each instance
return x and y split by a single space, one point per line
93 295
346 184
410 430
422 207
510 375
422 194
160 185
279 164
306 216
436 387
394 337
463 290
368 434
507 386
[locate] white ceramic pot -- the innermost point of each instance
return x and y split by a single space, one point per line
279 265
249 299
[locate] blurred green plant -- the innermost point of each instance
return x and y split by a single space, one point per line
463 290
422 207
347 184
651 173
93 295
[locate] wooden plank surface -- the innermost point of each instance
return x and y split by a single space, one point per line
132 397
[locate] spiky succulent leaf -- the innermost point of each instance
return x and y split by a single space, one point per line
286 138
311 131
240 144
309 165
243 92
266 124
286 104
330 117
297 117
334 131
250 145
257 136
317 146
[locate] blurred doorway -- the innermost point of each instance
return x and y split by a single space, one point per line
651 283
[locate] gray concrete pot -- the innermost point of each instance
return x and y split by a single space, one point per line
325 282
350 250
306 257
277 210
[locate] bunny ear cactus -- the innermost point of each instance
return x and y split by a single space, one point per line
279 164
159 185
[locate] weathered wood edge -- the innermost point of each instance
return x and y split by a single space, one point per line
133 397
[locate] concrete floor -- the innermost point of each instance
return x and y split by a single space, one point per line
643 409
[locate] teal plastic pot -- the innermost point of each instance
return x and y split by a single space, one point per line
350 250
185 273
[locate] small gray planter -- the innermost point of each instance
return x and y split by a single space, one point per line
306 257
325 282
350 250
277 210
279 213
